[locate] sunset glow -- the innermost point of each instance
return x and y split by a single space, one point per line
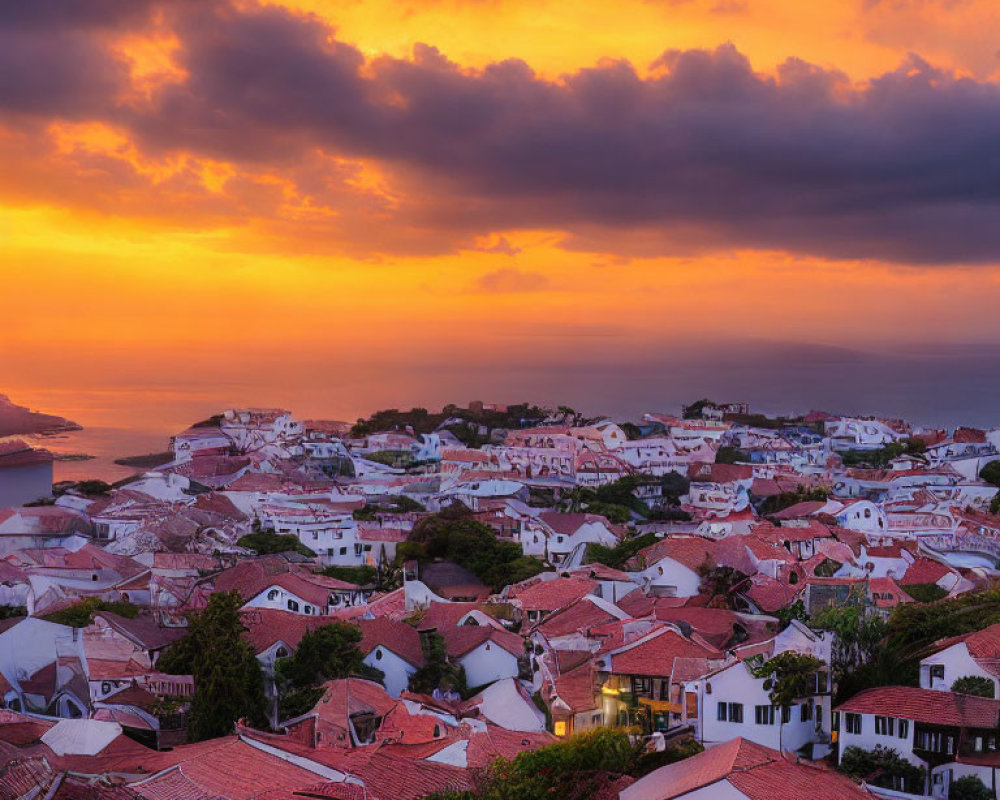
492 181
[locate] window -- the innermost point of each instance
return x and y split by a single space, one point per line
937 672
885 726
786 714
805 712
273 594
764 715
343 551
315 534
852 723
641 685
378 654
730 712
293 606
308 609
904 729
281 652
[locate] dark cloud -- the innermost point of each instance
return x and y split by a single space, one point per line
705 153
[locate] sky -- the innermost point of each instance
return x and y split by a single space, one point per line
335 206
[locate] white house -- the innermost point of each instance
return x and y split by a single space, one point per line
486 653
928 728
730 702
553 536
970 655
187 444
394 648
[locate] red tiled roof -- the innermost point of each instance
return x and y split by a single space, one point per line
397 637
758 772
265 626
926 705
464 639
984 644
891 595
924 570
568 524
719 473
553 594
656 653
579 616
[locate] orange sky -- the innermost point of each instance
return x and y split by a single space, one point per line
121 258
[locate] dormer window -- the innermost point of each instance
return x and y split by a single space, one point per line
273 594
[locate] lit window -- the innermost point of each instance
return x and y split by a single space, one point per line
559 728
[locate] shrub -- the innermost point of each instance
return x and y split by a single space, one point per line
976 685
881 767
969 788
82 614
267 542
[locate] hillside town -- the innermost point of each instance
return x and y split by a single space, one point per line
493 601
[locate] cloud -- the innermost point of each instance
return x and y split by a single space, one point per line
502 246
704 154
510 280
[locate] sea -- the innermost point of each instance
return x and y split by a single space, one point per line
940 386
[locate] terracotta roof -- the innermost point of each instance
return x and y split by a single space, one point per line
452 581
466 638
691 551
890 593
579 616
983 645
553 594
926 705
397 637
233 770
143 629
769 594
568 524
265 626
656 653
719 473
758 772
924 570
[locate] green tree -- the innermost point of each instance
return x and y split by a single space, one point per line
779 502
788 676
93 488
694 410
229 683
329 652
575 769
81 614
991 473
361 575
730 455
969 787
674 486
619 555
268 542
796 610
453 535
881 767
437 672
976 685
926 592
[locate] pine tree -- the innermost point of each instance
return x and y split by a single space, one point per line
229 683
